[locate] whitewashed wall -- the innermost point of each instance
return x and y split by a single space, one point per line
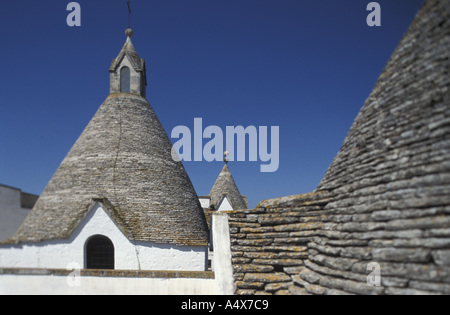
128 255
12 214
205 202
225 205
51 285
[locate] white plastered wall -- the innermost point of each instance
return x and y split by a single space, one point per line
128 255
12 214
225 284
205 202
225 205
51 285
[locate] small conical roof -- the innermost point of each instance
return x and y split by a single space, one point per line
226 186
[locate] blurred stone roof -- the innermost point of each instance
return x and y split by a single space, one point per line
385 198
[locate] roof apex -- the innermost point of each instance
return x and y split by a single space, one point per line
226 186
129 51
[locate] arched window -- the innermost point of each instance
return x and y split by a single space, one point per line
99 253
125 80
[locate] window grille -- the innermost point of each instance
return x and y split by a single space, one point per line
100 253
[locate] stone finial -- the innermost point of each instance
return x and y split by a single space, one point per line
129 32
225 157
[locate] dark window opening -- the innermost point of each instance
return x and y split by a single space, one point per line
99 253
125 80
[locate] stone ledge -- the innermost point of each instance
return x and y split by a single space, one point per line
110 273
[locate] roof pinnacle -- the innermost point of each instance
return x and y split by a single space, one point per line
129 32
225 157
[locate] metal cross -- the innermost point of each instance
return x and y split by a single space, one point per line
129 13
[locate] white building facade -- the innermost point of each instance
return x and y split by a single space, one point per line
127 255
15 205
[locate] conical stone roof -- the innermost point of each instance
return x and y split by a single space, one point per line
397 131
385 198
123 157
226 186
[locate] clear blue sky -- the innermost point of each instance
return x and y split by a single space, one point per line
306 66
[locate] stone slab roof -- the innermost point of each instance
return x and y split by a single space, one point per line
123 156
385 198
226 186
